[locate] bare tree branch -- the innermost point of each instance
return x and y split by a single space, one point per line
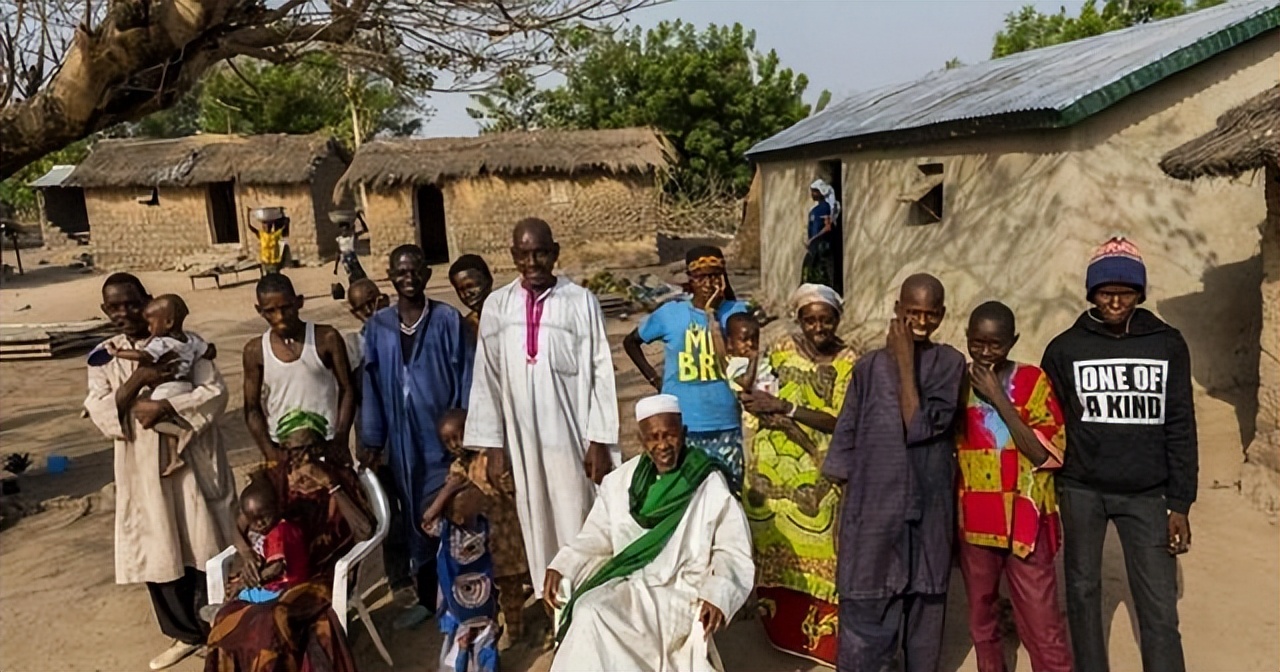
119 60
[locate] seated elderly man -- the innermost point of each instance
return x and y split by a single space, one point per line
662 562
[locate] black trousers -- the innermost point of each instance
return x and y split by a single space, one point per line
872 632
1142 524
177 605
428 584
395 549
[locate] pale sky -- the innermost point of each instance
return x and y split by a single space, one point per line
842 45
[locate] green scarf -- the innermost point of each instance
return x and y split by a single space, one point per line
658 505
299 419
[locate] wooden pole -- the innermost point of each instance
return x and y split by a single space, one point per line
13 236
355 130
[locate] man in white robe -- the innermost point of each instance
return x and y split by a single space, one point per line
167 527
543 395
639 599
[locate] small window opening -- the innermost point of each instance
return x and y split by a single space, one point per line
559 193
928 196
152 199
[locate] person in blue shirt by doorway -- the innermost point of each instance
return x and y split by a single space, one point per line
711 410
823 239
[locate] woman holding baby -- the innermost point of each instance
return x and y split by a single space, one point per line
791 508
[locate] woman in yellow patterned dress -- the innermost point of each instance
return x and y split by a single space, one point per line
792 509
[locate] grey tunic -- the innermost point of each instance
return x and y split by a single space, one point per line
897 521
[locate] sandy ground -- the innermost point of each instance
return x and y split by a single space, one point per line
60 608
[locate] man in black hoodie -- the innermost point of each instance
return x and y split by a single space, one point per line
1123 378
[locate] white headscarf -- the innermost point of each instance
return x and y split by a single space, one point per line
810 293
828 195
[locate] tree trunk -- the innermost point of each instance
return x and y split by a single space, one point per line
142 57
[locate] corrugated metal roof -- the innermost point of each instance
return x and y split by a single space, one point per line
53 178
1046 88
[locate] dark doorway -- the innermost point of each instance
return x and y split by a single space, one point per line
832 169
432 234
222 212
64 208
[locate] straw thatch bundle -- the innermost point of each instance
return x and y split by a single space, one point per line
1247 138
384 164
202 159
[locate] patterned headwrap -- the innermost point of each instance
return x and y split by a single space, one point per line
704 259
707 260
299 419
707 264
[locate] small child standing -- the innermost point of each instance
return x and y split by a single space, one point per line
744 369
165 316
503 544
468 608
348 237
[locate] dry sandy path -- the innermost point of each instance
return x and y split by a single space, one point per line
60 608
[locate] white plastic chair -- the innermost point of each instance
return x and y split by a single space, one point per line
345 596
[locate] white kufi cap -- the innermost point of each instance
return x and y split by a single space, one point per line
657 405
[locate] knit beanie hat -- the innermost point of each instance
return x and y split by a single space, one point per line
1117 262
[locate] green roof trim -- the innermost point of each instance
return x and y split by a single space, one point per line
1176 62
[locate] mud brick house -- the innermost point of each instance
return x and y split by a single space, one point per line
600 191
152 202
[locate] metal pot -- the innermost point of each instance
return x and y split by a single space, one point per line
341 217
270 214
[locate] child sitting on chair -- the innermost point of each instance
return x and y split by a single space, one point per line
744 369
165 316
279 544
283 558
470 516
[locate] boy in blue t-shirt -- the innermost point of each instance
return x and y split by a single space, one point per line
690 372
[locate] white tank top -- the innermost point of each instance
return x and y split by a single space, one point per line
303 384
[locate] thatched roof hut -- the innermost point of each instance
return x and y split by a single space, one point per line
384 164
596 187
151 203
205 159
1247 138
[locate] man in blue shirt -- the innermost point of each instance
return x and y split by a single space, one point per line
417 366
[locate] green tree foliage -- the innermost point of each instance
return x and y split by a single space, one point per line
514 104
709 91
181 120
1028 28
309 96
824 99
14 192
